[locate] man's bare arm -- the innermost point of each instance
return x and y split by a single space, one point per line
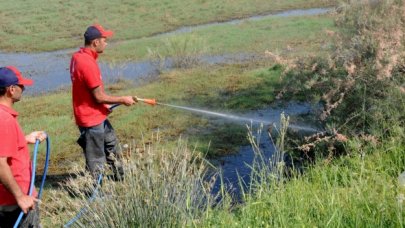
101 97
24 201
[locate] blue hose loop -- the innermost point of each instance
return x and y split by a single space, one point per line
34 165
114 106
84 209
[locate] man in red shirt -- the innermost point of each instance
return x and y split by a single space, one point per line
15 164
91 105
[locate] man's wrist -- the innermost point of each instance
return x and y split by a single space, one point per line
18 194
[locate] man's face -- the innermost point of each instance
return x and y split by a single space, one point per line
16 92
100 44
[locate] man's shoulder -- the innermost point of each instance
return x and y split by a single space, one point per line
6 113
82 59
6 118
81 55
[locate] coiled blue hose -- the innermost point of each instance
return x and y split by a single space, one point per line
34 164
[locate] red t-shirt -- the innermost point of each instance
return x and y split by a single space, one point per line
85 75
14 146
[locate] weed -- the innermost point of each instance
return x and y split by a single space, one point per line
162 187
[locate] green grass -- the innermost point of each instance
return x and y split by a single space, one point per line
222 88
353 191
292 35
40 25
358 190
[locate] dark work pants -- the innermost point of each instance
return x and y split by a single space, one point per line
9 217
100 146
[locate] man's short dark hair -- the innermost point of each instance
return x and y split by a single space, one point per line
3 91
87 42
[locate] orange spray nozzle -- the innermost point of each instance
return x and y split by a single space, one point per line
147 101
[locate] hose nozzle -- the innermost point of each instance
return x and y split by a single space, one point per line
146 101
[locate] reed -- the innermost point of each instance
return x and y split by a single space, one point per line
163 187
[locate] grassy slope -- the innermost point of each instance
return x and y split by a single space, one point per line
40 25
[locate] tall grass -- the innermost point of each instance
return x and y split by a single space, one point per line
164 186
360 190
179 52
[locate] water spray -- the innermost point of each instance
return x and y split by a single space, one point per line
222 115
153 102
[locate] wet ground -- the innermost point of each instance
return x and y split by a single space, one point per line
50 70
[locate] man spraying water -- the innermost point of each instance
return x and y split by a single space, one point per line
91 105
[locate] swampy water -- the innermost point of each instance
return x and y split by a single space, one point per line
50 70
236 167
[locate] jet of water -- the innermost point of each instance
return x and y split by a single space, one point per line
238 118
223 115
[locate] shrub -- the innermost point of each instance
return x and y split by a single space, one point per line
361 84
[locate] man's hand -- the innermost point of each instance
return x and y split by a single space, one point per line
128 100
26 202
33 136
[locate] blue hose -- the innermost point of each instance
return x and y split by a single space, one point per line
84 209
114 106
93 195
34 164
48 149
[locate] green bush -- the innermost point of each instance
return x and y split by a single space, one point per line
362 83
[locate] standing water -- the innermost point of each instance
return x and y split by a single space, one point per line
236 167
50 70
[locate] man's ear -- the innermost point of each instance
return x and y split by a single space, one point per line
96 42
11 89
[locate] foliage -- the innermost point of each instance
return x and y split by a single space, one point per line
178 52
163 187
352 191
361 84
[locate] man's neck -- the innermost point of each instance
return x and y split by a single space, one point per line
90 47
6 102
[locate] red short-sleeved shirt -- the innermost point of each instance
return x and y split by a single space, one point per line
14 146
85 75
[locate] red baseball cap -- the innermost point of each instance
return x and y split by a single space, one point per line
97 31
10 75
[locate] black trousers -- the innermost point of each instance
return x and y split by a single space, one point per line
9 217
100 146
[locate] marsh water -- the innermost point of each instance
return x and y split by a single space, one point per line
50 70
237 166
